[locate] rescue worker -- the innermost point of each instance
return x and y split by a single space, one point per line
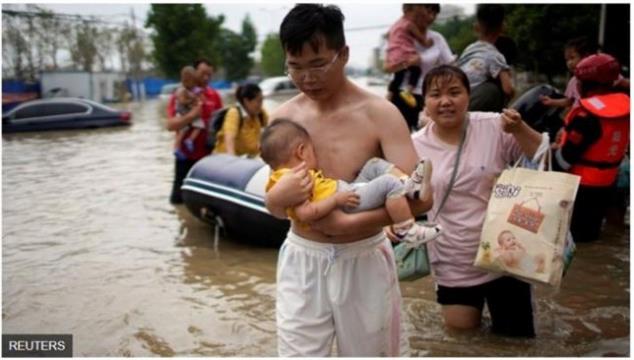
594 140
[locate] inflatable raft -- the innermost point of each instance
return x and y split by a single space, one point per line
228 192
540 117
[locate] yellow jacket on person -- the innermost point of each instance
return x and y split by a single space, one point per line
247 136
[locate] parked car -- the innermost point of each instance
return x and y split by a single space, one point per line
62 114
279 86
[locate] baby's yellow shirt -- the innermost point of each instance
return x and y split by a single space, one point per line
323 187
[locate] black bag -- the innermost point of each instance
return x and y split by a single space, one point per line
218 119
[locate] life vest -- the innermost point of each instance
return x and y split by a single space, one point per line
599 165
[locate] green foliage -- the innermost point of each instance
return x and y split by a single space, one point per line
541 31
235 50
182 33
458 32
272 62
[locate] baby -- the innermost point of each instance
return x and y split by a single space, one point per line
187 95
285 144
514 256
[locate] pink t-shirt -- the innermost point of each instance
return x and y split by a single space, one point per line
486 152
572 91
400 42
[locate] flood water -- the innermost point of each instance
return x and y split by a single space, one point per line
92 247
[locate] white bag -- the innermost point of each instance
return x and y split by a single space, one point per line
527 220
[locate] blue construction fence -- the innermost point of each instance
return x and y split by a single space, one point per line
16 86
152 85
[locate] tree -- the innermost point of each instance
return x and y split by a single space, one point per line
182 33
131 46
458 32
51 28
541 32
236 50
272 61
86 49
14 47
105 42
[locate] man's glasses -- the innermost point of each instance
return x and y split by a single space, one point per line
314 72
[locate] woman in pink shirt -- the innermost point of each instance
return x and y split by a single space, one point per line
491 141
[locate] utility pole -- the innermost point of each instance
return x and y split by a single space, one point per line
602 26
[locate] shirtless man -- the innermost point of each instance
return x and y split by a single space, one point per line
342 282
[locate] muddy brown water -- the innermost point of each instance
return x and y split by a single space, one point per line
91 247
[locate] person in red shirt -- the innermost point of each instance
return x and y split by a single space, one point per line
175 122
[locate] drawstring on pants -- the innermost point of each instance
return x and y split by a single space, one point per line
332 256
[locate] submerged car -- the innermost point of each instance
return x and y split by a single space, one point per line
62 114
278 86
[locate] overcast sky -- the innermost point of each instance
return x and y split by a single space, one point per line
267 17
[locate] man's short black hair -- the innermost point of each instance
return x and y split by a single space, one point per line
312 23
490 17
202 60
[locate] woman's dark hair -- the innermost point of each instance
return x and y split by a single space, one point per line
247 91
445 73
308 23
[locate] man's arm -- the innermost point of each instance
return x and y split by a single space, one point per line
311 211
397 148
507 83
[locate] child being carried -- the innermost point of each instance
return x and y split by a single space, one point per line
187 96
285 144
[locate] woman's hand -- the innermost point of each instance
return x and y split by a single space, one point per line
389 232
511 120
528 139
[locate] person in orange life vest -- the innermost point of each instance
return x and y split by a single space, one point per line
211 102
593 142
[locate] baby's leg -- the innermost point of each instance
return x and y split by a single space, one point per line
177 145
398 209
405 228
194 134
389 191
374 168
178 139
373 194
